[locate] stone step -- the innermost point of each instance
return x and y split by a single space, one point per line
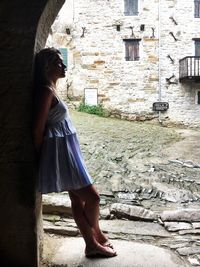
113 227
69 252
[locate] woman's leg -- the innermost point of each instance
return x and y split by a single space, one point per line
92 245
79 217
90 197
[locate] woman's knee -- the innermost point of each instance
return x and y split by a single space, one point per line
75 200
93 197
88 194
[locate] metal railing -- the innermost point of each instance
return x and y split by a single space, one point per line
189 67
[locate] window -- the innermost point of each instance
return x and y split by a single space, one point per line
130 7
198 97
64 54
132 49
197 8
197 48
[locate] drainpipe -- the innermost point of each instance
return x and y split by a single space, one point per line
159 59
73 7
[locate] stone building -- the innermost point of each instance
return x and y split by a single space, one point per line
130 52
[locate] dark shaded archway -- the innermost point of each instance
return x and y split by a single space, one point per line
24 27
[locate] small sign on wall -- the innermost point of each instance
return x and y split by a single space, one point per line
91 97
160 106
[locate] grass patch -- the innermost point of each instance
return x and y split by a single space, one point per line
93 109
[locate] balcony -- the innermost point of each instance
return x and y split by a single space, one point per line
189 69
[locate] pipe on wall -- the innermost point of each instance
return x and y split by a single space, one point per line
159 59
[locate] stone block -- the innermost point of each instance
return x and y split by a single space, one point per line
132 212
99 62
176 226
57 204
182 215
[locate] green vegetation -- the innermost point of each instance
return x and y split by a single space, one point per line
97 110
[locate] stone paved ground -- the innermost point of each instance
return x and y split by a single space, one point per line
68 252
148 177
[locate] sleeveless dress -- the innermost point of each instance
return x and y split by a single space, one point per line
61 166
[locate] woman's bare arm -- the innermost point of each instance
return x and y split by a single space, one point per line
41 117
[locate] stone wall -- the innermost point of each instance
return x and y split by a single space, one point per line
19 23
129 88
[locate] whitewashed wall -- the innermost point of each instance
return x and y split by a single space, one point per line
129 88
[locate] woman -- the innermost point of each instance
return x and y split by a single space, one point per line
61 165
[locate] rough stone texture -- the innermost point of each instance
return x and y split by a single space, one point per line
188 250
193 261
132 212
176 226
129 254
19 22
60 229
187 215
196 225
57 203
129 88
113 227
192 231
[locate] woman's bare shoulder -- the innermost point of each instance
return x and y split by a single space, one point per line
49 88
46 96
48 91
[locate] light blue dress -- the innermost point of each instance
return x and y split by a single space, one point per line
62 166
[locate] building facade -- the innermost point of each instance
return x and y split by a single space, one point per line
134 53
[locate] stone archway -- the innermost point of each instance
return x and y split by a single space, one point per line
24 28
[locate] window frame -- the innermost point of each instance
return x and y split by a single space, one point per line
135 42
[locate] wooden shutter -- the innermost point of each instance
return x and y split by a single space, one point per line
136 50
127 50
64 54
197 48
198 97
131 50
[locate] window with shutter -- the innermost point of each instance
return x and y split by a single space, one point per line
132 49
198 97
197 8
197 48
64 54
130 7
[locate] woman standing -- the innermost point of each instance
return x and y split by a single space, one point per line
61 165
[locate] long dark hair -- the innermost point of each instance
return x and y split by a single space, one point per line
43 59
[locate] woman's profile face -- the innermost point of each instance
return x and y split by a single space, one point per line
57 68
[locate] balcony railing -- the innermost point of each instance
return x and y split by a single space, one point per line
189 69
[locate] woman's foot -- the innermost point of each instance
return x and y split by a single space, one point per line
107 244
100 251
102 239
